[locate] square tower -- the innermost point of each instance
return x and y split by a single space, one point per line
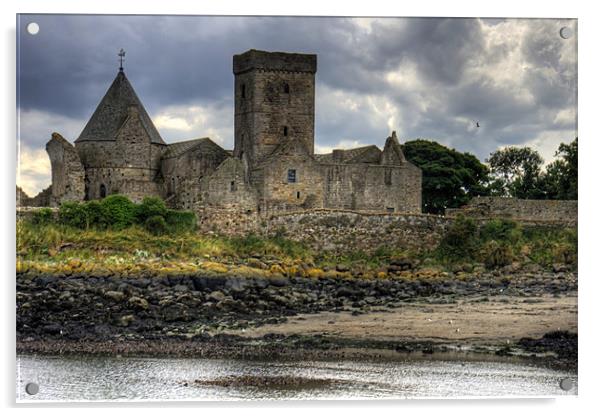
274 98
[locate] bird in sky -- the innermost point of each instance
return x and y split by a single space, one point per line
478 124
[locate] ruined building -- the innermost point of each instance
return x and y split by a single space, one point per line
272 167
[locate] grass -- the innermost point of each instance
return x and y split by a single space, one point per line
48 245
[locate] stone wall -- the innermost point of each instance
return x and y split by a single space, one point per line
228 188
338 231
290 177
67 171
373 187
519 209
183 172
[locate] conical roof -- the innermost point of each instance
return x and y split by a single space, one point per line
113 110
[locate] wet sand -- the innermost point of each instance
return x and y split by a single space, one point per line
476 320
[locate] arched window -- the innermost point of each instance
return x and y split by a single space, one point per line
287 89
103 190
285 131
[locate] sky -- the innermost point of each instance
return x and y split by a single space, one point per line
430 78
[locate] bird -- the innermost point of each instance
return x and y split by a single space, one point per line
478 125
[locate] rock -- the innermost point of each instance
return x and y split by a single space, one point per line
342 268
559 267
52 329
345 292
256 264
278 281
138 302
126 320
216 296
115 295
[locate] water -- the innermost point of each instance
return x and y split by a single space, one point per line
83 378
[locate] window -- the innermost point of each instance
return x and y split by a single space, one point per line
232 186
388 177
298 195
292 176
390 209
243 91
103 190
286 88
285 131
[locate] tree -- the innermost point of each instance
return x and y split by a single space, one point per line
560 180
516 172
449 178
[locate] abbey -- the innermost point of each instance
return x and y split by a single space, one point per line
272 167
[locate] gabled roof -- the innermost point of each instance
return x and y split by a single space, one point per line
179 148
364 154
113 110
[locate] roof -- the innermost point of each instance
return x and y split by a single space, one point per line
364 154
179 148
112 112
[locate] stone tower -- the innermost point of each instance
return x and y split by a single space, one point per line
274 96
120 148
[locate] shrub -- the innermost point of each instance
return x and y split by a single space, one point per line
459 242
73 214
119 211
156 225
42 216
95 214
496 255
501 230
180 221
150 207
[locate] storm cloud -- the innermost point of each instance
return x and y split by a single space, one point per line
423 77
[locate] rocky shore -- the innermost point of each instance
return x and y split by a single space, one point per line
198 314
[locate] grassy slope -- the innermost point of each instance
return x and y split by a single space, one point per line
63 249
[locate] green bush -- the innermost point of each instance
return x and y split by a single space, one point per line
180 221
119 211
73 214
501 230
95 214
496 255
150 207
460 240
156 225
42 216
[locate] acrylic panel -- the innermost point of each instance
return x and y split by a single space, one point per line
268 208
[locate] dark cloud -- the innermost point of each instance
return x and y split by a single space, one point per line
514 76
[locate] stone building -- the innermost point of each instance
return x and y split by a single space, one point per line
272 167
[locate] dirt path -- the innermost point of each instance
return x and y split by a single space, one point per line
470 320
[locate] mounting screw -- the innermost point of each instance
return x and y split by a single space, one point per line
566 384
32 388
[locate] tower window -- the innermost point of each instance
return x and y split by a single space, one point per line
243 90
286 89
285 131
232 186
292 176
298 195
388 180
103 190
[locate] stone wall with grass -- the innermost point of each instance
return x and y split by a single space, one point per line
340 231
519 209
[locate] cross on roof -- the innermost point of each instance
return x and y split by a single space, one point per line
121 55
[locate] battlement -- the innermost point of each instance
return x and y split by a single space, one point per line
274 61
